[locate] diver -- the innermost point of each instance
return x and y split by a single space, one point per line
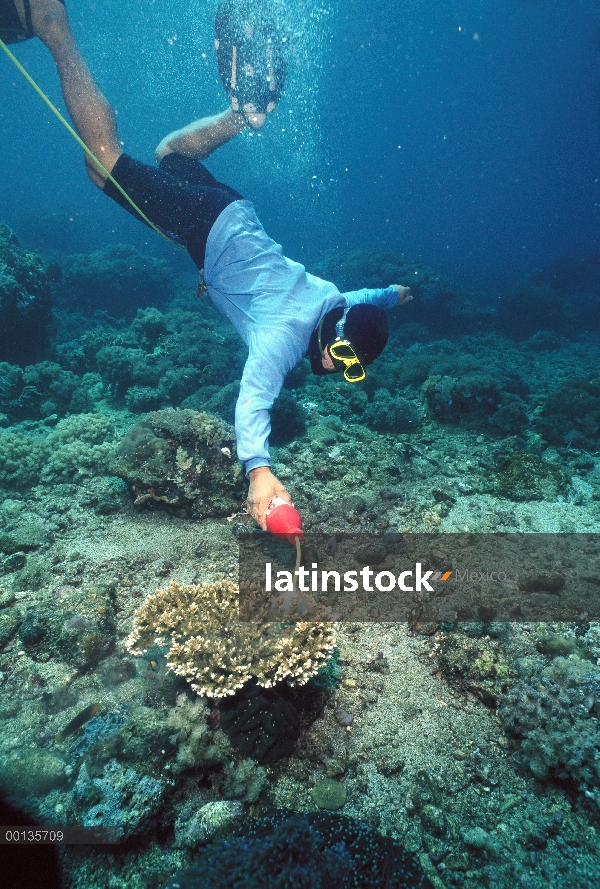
281 312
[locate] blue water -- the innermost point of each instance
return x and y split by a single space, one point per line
464 134
463 137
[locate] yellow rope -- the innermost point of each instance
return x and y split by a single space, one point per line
80 142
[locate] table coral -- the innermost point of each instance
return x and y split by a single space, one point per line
217 653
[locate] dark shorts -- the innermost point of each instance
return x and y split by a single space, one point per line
180 197
11 29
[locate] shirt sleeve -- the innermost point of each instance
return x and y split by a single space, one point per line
269 360
385 298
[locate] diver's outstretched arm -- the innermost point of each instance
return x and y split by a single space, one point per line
90 112
201 137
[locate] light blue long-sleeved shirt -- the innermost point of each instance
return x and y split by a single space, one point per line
275 305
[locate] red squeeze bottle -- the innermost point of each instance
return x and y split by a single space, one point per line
283 520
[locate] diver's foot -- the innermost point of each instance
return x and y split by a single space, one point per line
256 121
252 117
252 44
47 18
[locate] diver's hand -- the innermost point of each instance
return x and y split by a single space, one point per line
404 294
263 487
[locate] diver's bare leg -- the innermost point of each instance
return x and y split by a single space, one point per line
90 112
201 137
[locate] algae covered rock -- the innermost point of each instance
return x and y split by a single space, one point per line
28 536
25 291
211 821
10 619
524 476
79 628
121 797
571 415
33 771
329 794
182 459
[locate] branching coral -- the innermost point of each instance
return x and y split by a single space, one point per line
554 713
196 745
217 653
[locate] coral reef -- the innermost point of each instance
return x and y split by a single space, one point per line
435 306
475 396
40 390
388 414
159 359
378 268
453 430
288 419
571 415
215 652
182 459
534 307
76 448
554 712
25 292
116 279
22 458
511 417
561 298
